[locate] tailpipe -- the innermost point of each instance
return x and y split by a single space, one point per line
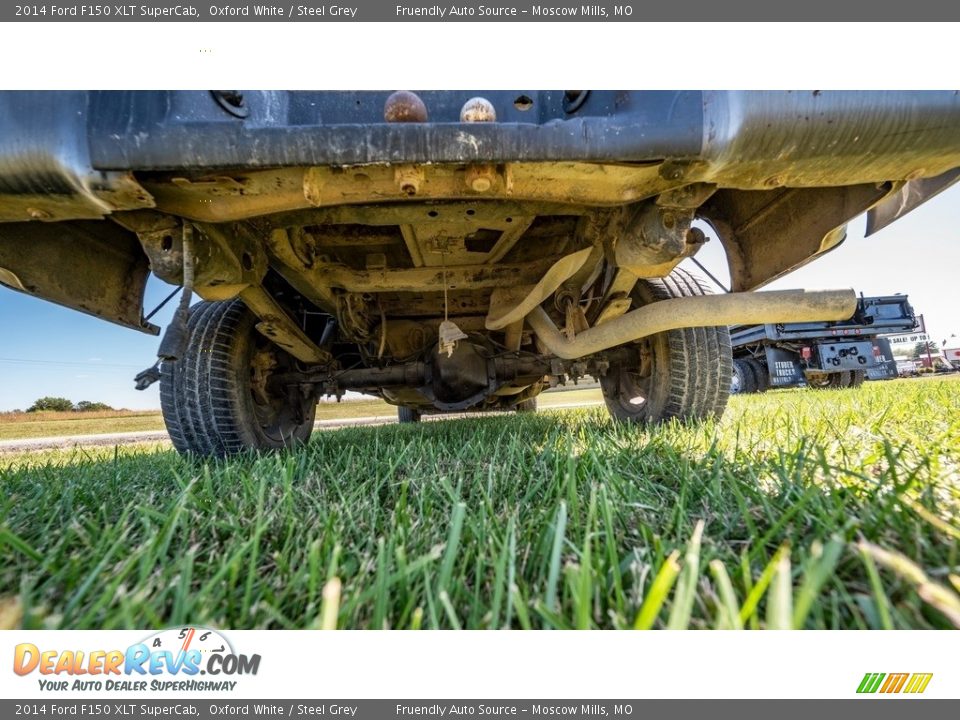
776 306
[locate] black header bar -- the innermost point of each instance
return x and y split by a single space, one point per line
488 11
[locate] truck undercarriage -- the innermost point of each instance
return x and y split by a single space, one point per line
447 251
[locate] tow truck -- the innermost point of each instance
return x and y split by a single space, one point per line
821 354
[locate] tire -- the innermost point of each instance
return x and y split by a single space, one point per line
220 400
170 382
177 415
833 381
857 377
408 415
683 374
761 374
742 380
842 379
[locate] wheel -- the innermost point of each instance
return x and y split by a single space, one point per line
221 397
682 374
761 373
832 381
407 415
527 406
742 380
857 377
841 379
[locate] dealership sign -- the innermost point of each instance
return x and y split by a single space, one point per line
904 339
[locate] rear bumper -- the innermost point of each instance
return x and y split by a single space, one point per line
85 145
149 130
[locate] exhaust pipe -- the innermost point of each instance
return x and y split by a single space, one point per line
778 306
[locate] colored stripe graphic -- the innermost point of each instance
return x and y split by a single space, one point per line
894 683
918 682
870 682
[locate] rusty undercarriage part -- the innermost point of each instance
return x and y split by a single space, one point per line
467 379
704 311
276 324
657 236
88 265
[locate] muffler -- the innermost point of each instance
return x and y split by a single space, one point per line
777 306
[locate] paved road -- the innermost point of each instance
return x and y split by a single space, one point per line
153 436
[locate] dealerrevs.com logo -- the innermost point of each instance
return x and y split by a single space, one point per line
888 683
169 660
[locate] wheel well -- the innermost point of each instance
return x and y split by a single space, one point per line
94 266
768 233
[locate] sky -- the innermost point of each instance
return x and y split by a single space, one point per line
49 350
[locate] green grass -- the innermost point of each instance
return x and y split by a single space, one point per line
813 509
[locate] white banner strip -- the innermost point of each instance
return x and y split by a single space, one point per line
457 55
516 665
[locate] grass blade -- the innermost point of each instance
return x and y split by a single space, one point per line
780 597
686 591
453 544
448 608
553 575
658 592
818 572
330 606
728 615
879 596
749 608
935 595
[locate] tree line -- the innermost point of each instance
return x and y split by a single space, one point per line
59 404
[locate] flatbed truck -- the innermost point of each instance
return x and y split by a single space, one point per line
821 354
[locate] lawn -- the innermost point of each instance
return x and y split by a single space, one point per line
811 509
